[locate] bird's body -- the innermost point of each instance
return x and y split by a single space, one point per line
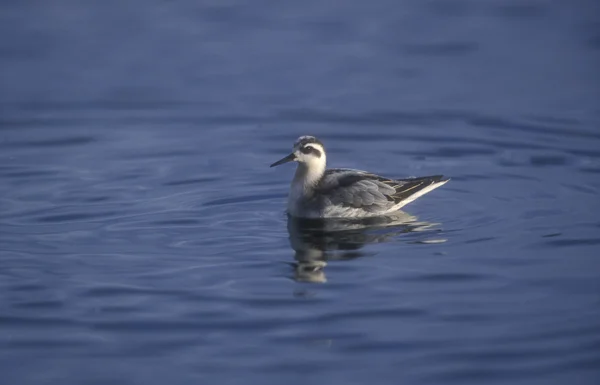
345 193
342 193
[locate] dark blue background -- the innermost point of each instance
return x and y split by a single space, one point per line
143 238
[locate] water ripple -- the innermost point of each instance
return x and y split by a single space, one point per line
143 238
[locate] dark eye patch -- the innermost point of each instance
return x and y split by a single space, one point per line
311 149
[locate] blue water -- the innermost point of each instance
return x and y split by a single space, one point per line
143 238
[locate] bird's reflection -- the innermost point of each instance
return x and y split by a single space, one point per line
317 241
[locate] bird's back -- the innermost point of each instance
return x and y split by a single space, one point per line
355 193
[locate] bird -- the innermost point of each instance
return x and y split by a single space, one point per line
317 192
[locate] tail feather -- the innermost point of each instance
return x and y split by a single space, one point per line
407 190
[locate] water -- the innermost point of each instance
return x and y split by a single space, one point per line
143 238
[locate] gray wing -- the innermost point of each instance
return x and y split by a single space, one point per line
372 193
356 189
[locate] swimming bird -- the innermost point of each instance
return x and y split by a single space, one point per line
317 192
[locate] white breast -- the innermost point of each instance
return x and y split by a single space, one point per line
297 199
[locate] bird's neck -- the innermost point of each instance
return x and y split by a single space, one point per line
303 186
308 175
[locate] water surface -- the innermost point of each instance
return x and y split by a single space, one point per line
143 238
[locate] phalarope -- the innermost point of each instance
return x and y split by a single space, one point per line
346 193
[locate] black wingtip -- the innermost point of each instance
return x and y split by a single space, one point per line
439 178
430 179
413 186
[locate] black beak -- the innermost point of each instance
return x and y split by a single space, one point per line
288 158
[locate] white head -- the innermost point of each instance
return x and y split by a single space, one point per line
308 152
